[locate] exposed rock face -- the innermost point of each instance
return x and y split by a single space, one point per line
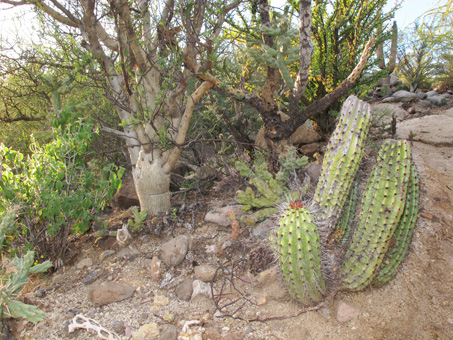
438 133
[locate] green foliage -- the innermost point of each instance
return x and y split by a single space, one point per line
443 71
136 223
415 60
340 31
283 54
267 190
13 282
53 186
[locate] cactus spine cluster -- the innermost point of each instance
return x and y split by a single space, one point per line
373 243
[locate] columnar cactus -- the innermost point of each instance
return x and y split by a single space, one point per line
373 243
341 160
299 254
382 207
399 243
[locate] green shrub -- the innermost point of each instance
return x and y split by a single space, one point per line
56 191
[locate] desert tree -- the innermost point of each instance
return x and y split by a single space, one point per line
276 77
151 54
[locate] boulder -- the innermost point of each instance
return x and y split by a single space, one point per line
394 80
126 196
305 134
434 129
405 96
421 95
438 100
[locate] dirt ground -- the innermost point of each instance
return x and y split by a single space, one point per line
417 304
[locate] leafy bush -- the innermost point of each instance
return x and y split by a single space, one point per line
55 189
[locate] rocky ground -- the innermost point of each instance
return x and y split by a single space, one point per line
159 286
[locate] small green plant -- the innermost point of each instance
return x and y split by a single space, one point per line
136 223
11 285
268 190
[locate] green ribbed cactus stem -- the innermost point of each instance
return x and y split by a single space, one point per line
298 249
344 225
381 209
341 160
399 244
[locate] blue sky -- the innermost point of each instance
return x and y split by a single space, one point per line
411 9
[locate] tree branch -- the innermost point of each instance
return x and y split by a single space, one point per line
287 128
172 157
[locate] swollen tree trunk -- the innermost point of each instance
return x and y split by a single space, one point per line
152 184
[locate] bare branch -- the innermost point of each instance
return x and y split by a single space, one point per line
289 126
172 157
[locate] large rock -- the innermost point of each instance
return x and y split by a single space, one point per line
106 293
126 196
175 250
439 100
436 129
405 96
219 215
394 80
383 113
305 134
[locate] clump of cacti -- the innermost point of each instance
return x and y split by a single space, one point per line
345 248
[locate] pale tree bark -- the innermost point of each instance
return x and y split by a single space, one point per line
149 51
